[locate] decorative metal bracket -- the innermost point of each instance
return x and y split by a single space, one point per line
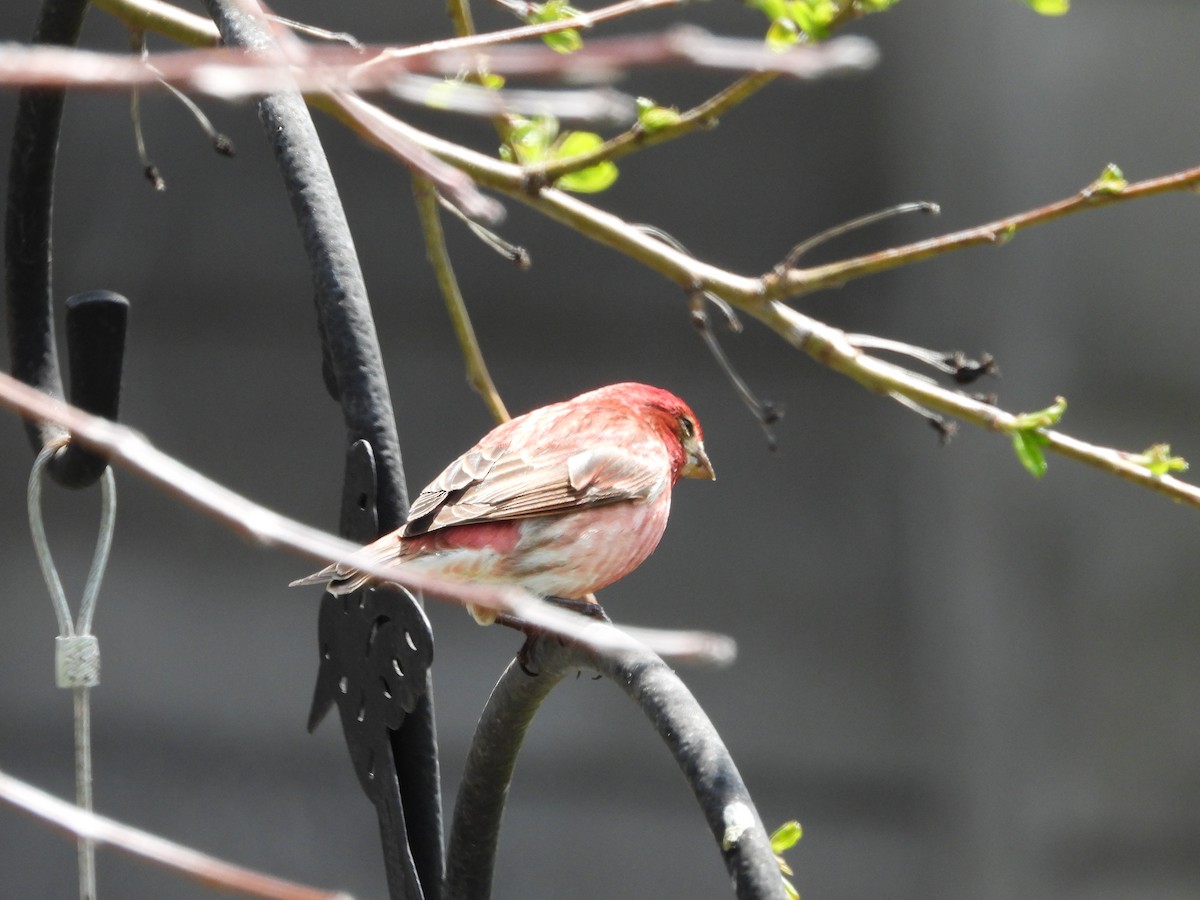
376 649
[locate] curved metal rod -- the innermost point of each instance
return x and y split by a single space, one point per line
675 714
354 376
95 321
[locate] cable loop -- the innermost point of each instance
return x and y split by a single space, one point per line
77 653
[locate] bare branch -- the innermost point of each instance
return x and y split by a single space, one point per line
699 118
796 282
602 105
195 865
606 59
163 18
373 123
232 74
493 38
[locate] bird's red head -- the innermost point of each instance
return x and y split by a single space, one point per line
678 425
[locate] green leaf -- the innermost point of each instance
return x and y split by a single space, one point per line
793 20
1043 418
1049 7
1159 461
529 140
814 17
491 81
1028 447
782 34
1111 181
567 41
786 836
655 118
591 180
577 143
1028 439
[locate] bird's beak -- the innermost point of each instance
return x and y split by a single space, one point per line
697 464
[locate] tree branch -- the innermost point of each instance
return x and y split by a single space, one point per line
761 296
233 74
200 867
830 347
163 18
699 118
1103 192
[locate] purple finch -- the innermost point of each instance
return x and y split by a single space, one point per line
561 501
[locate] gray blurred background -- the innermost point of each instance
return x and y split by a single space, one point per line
963 681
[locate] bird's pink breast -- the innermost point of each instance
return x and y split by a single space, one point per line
560 556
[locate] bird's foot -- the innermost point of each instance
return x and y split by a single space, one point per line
532 634
525 653
589 608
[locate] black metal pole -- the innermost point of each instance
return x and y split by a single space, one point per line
355 377
96 320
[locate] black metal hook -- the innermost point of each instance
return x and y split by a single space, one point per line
95 325
95 320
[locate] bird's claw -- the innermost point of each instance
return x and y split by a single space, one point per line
589 608
524 653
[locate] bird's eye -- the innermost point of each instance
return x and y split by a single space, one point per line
688 426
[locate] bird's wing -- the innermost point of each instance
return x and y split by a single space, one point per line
489 487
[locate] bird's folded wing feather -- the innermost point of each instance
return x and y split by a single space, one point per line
482 487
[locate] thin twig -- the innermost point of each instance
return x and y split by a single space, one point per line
380 128
435 244
699 118
163 18
198 866
507 250
509 35
796 282
807 245
607 59
323 34
603 105
461 18
234 75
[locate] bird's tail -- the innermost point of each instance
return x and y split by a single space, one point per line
326 574
335 581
